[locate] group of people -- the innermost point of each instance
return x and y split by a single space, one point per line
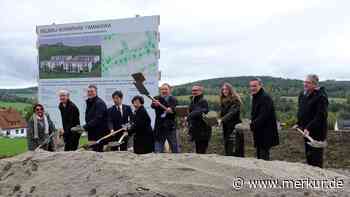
100 121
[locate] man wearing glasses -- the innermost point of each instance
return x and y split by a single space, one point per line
199 130
312 117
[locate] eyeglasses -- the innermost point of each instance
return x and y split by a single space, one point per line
39 109
195 90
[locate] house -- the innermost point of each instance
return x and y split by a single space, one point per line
69 64
342 125
12 124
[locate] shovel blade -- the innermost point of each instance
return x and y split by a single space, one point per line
317 144
114 144
138 77
141 88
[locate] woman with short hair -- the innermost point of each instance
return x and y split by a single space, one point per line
40 127
141 127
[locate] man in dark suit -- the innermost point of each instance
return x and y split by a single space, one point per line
95 118
118 115
165 124
263 120
198 129
312 117
70 118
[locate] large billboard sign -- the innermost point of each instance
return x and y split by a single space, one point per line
104 53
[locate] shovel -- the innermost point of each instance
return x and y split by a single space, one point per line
87 146
139 79
48 140
120 141
312 142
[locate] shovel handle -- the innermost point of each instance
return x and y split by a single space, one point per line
161 105
122 137
109 135
307 136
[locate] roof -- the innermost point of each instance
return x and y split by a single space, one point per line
11 119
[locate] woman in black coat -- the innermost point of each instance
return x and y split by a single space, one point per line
230 116
141 127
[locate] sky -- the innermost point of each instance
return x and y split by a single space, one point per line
198 39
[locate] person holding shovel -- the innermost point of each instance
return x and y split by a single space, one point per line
40 127
141 127
263 120
230 116
199 130
117 116
95 118
70 118
165 123
312 117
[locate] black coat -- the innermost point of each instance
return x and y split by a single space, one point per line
116 119
230 116
264 123
198 129
70 118
165 124
96 118
313 112
141 127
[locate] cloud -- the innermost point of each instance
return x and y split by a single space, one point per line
200 39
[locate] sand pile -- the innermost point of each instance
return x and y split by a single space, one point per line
126 174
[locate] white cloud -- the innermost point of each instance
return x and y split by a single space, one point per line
200 39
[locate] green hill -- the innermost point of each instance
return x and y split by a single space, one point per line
282 86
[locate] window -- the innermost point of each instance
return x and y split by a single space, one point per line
22 131
17 132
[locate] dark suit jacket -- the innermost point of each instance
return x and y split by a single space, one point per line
141 127
313 112
198 129
96 118
165 124
70 117
264 122
116 120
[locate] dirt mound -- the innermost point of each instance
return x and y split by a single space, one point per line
126 174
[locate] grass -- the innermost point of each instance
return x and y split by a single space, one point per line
331 99
54 75
10 147
212 98
17 105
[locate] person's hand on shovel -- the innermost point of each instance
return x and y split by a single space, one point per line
169 110
78 129
306 132
219 122
61 132
156 103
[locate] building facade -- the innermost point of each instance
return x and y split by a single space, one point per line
12 124
70 64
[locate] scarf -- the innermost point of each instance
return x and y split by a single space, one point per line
46 125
